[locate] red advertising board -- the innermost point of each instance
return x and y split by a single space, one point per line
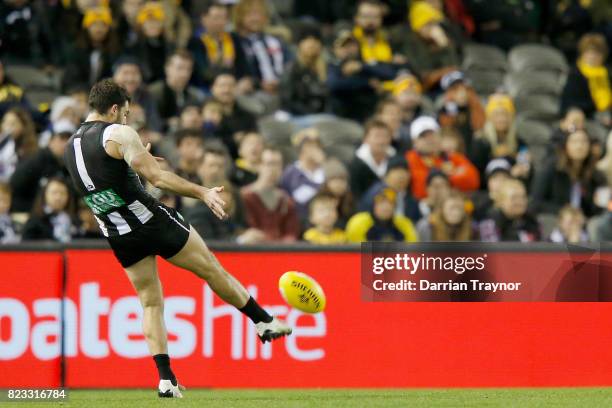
352 344
30 319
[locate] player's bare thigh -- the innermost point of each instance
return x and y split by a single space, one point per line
145 279
196 257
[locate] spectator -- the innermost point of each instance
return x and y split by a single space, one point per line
571 228
127 26
63 109
302 89
337 184
570 177
8 234
173 93
408 93
215 50
52 215
569 20
589 84
189 144
381 223
427 155
17 140
605 164
397 177
572 120
127 73
389 111
191 118
265 55
350 79
46 163
247 164
496 173
11 94
270 213
97 47
449 222
323 215
152 48
438 188
212 115
371 158
235 119
510 221
461 107
303 178
368 31
429 44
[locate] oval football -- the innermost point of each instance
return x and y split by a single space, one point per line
302 292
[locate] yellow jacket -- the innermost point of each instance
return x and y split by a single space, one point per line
359 224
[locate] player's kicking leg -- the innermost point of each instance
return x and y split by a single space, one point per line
196 257
144 278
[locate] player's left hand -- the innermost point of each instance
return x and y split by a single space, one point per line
214 201
159 159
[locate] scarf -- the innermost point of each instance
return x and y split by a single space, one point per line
379 51
227 54
599 85
268 52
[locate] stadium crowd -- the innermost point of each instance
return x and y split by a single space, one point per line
326 121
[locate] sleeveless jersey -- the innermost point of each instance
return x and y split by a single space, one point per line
110 188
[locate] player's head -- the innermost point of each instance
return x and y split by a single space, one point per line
111 100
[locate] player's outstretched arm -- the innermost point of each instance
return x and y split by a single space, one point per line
124 143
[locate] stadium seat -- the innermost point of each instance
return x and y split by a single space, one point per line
596 131
28 76
533 132
532 83
276 131
485 82
484 58
548 222
540 107
537 57
343 152
340 131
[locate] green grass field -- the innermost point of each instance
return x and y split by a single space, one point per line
345 398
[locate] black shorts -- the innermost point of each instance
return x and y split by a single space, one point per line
165 234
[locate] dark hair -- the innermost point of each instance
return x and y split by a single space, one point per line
214 4
215 148
180 53
376 124
322 196
27 141
38 208
126 60
588 165
183 134
106 93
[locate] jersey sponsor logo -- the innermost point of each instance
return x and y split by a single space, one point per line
103 201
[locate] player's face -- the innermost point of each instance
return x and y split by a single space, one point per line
122 114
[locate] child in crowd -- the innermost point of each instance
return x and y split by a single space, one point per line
571 228
323 214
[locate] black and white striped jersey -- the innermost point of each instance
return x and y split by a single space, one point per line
109 186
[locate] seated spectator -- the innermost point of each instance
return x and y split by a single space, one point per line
189 145
215 50
212 115
302 87
247 164
97 47
397 177
390 112
429 44
191 117
408 93
569 177
381 223
52 216
496 173
427 155
303 178
371 158
265 55
8 233
88 227
11 94
63 109
210 226
368 31
438 188
17 140
589 84
235 119
323 215
337 184
572 120
605 164
449 222
35 170
270 213
127 73
510 220
461 107
350 79
173 93
571 228
127 26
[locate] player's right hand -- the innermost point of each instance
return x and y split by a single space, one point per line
214 201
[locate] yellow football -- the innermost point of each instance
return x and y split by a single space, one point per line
302 292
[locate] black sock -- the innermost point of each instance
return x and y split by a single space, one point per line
162 361
255 312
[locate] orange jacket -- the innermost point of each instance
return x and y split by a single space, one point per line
465 176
